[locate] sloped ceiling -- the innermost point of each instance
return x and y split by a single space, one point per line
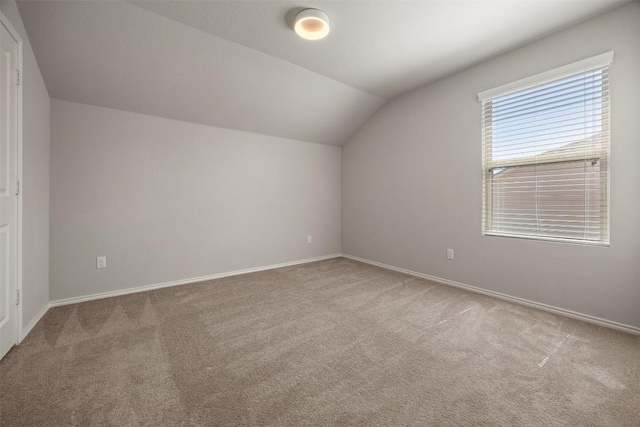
237 64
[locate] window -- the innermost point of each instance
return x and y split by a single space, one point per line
545 155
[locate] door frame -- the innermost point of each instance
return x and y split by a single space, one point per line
7 24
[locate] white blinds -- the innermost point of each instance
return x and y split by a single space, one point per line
546 157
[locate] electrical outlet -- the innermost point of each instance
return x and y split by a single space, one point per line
449 253
308 239
101 262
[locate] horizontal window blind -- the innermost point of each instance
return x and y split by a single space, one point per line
546 158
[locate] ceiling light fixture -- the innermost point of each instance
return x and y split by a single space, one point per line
312 24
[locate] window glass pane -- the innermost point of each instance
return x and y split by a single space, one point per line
562 200
552 117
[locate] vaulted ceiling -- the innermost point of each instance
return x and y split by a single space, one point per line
238 64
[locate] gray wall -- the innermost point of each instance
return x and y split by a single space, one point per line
166 200
412 180
35 182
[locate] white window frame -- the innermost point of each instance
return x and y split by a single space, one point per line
598 61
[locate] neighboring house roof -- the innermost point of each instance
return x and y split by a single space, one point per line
595 141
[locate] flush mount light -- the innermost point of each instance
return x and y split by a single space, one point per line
312 24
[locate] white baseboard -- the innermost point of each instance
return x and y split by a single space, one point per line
522 301
34 322
92 297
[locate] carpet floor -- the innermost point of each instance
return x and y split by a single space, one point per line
334 342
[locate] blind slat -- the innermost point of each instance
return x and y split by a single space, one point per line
585 91
548 106
594 124
488 120
564 86
558 120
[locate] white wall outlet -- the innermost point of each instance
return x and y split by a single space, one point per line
449 253
308 239
101 262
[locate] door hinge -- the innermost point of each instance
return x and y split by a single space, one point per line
17 188
18 297
18 77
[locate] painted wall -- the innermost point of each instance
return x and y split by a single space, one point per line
35 179
166 200
412 180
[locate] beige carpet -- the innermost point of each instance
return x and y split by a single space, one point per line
334 342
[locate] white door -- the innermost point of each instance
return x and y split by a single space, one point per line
8 191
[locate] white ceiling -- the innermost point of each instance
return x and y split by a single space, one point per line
237 64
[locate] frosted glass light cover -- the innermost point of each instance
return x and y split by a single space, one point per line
312 24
